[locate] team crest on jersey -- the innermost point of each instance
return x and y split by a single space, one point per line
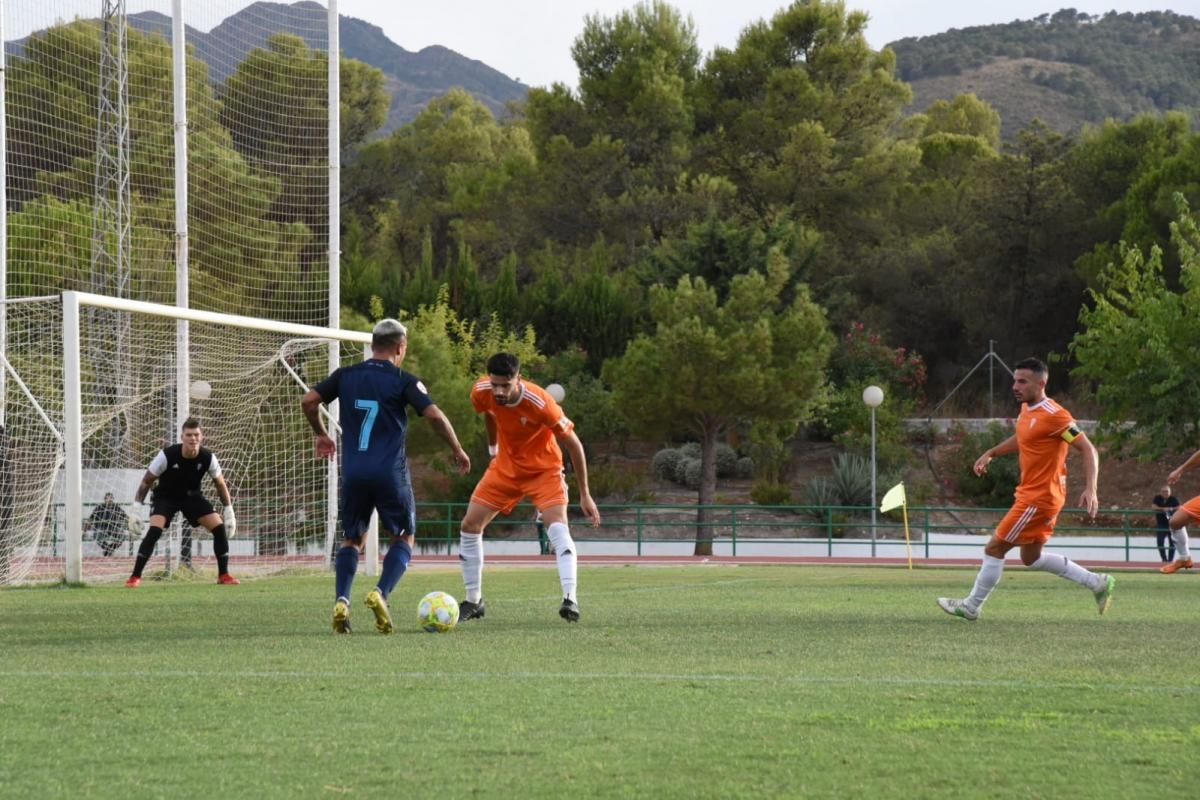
421 386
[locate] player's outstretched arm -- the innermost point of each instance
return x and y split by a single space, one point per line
311 404
442 427
1009 445
570 442
1091 473
1177 473
147 481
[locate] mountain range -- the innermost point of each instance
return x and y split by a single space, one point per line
412 79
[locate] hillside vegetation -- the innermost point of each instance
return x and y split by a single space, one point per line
1066 69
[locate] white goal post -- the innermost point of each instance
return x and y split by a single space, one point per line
73 434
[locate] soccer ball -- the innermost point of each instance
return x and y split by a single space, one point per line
437 612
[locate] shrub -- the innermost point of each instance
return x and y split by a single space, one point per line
665 463
680 475
993 489
766 493
608 481
676 464
851 480
819 494
726 461
744 468
689 473
860 359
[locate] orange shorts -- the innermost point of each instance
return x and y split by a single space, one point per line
546 490
1192 507
1026 524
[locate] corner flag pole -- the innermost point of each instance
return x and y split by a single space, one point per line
895 498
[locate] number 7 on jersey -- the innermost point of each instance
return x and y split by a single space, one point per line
364 433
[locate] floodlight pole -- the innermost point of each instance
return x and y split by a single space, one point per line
334 142
3 230
183 349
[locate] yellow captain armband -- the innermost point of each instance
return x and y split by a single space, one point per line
1071 433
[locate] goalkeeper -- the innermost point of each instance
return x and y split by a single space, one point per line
178 471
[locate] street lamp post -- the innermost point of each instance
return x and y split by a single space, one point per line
873 396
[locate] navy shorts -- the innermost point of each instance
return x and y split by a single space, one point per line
194 506
395 504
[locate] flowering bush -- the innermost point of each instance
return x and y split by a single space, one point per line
861 358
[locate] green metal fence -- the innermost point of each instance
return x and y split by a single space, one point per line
734 526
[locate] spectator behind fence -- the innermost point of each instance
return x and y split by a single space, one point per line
1164 504
109 524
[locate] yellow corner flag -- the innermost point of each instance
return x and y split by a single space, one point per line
895 499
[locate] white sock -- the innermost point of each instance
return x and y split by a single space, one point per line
470 553
564 553
1064 567
985 581
1180 538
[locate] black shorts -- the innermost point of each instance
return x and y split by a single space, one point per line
193 506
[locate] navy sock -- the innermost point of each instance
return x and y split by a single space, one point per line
346 564
395 564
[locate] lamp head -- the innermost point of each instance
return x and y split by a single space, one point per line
873 396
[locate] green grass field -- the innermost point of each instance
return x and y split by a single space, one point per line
689 682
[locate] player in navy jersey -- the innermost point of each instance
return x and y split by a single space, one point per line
374 397
178 471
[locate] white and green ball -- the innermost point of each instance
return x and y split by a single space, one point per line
437 612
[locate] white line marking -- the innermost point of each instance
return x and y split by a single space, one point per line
668 677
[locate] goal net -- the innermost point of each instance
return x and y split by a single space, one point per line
71 436
90 137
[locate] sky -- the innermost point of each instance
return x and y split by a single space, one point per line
530 40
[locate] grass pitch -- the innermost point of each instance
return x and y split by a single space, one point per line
689 682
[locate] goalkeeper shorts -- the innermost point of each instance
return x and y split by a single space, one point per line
193 506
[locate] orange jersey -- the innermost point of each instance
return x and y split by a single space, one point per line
1044 432
525 431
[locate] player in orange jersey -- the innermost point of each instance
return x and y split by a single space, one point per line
1044 432
1179 520
527 462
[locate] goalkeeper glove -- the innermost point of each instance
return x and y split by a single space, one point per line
493 449
230 522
